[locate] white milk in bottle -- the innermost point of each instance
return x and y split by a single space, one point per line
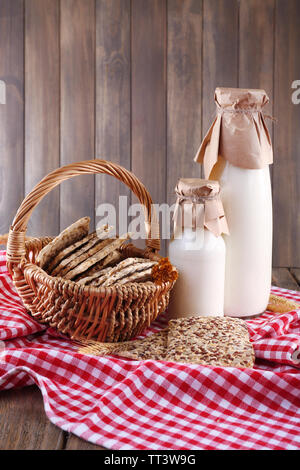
237 151
198 250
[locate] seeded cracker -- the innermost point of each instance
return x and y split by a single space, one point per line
119 267
129 272
67 237
67 251
100 255
216 341
151 347
95 271
138 276
94 277
81 255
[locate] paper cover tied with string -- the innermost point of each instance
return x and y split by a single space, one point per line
198 205
238 134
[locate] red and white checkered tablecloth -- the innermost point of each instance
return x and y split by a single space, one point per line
126 404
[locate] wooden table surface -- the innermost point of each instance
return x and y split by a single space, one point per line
24 424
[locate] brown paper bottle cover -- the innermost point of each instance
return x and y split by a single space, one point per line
200 202
238 134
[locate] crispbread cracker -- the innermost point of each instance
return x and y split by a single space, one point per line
67 251
110 260
281 305
98 256
118 267
128 272
218 341
94 277
67 237
138 276
151 347
89 249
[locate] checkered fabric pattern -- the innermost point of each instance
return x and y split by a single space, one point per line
127 404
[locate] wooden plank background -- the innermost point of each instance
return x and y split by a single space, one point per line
42 103
11 113
132 81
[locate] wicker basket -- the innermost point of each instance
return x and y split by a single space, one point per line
111 314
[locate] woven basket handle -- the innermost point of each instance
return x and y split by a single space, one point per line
16 238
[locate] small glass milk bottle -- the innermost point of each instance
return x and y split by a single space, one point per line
198 250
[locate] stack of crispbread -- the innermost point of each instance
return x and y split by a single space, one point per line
217 341
92 259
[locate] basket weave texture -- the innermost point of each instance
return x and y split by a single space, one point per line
107 314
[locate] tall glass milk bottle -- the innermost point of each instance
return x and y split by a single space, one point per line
198 250
237 151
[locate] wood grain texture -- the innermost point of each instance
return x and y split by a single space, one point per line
296 274
220 52
286 171
24 424
75 443
42 108
256 48
113 70
282 277
133 81
184 78
77 21
149 95
11 113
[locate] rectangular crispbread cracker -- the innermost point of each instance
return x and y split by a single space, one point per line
65 256
151 347
94 277
67 237
119 267
75 259
67 251
134 271
110 260
110 245
217 341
